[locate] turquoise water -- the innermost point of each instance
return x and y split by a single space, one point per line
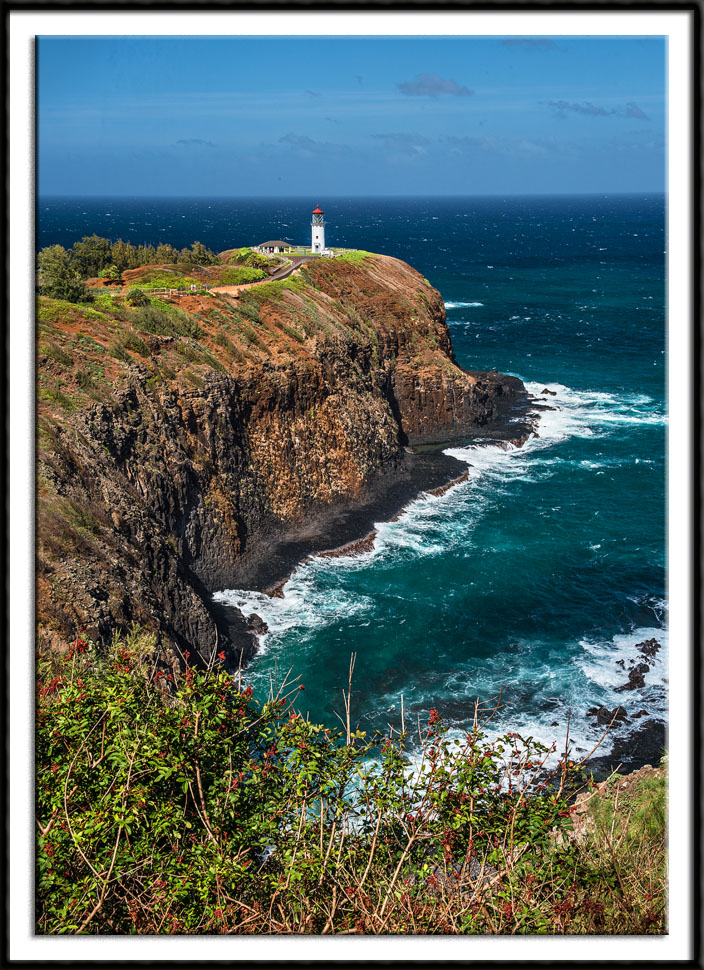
548 565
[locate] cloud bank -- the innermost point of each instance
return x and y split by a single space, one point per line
431 86
630 110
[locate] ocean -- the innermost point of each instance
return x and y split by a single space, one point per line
535 577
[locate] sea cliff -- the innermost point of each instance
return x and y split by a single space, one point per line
213 440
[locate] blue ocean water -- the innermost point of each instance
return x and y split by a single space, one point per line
548 565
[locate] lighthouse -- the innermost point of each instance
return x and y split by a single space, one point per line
317 227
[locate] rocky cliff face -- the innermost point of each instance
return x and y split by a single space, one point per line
180 445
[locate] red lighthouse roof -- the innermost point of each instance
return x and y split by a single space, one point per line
317 211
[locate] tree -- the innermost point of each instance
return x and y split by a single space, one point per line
124 255
200 255
166 253
111 274
136 297
90 255
146 255
57 277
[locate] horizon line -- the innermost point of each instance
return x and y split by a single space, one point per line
448 195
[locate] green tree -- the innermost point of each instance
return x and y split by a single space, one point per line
201 256
136 297
166 253
111 273
124 255
57 277
90 255
146 255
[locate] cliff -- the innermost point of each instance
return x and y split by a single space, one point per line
185 447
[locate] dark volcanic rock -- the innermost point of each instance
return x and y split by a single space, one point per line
355 548
644 746
256 624
636 678
604 716
649 648
546 391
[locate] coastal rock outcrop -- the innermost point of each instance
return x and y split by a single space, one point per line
215 441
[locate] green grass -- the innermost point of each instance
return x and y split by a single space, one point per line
164 281
357 257
234 276
53 394
132 342
56 353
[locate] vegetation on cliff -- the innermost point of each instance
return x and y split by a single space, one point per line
177 436
170 800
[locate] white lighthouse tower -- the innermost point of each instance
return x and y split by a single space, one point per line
317 226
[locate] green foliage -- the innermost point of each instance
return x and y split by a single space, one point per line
124 255
56 353
247 257
169 800
111 273
248 307
642 811
58 278
166 253
163 280
91 255
53 393
200 255
293 333
188 352
356 257
136 297
234 276
118 351
132 342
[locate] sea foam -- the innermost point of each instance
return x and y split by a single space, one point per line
434 524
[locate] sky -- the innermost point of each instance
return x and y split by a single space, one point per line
347 116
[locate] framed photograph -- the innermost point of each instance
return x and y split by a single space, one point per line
353 360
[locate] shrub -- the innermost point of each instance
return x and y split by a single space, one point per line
170 800
136 297
132 342
162 280
247 257
58 278
233 276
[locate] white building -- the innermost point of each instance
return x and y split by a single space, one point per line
317 226
273 246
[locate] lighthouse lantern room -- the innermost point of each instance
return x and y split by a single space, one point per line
317 225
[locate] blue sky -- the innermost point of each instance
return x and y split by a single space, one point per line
345 116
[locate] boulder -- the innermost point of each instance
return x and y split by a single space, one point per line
604 716
648 648
256 624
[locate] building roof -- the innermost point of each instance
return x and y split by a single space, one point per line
317 211
275 242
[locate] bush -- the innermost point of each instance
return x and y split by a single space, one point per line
136 297
132 342
247 257
163 280
57 277
233 276
170 800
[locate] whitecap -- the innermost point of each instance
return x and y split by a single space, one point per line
456 305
